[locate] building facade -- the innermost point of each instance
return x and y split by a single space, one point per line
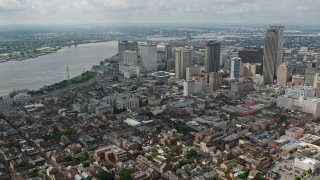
192 71
235 67
148 57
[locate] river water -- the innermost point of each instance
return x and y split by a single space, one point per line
44 70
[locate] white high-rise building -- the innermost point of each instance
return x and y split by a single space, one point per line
183 60
148 57
235 67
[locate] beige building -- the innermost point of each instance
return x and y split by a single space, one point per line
249 70
183 60
282 75
316 84
298 79
130 57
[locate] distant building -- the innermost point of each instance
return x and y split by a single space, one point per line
249 56
192 71
133 70
199 58
22 98
148 57
249 70
168 51
128 103
297 91
240 87
215 81
212 56
183 60
295 132
298 80
191 87
126 45
316 84
235 67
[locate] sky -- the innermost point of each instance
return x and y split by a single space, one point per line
159 11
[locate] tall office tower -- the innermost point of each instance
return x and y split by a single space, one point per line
273 52
183 60
282 75
130 57
235 67
148 57
126 45
168 52
212 56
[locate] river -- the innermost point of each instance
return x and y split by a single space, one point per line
44 70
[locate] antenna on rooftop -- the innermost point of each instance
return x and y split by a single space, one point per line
68 72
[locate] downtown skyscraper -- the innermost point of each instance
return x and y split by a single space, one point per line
212 56
273 52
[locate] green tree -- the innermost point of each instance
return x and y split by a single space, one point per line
104 175
85 163
125 175
68 158
297 178
309 171
191 153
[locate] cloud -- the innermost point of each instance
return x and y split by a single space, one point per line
159 11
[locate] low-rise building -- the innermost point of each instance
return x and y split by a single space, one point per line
307 163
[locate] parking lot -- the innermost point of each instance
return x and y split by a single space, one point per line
287 170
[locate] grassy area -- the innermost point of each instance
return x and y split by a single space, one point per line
84 77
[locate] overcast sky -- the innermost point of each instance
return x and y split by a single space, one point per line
159 11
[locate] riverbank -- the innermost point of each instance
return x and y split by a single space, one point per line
41 71
43 51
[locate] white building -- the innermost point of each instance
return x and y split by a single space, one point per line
310 105
130 57
191 87
148 57
235 67
133 70
307 163
128 103
22 98
297 91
